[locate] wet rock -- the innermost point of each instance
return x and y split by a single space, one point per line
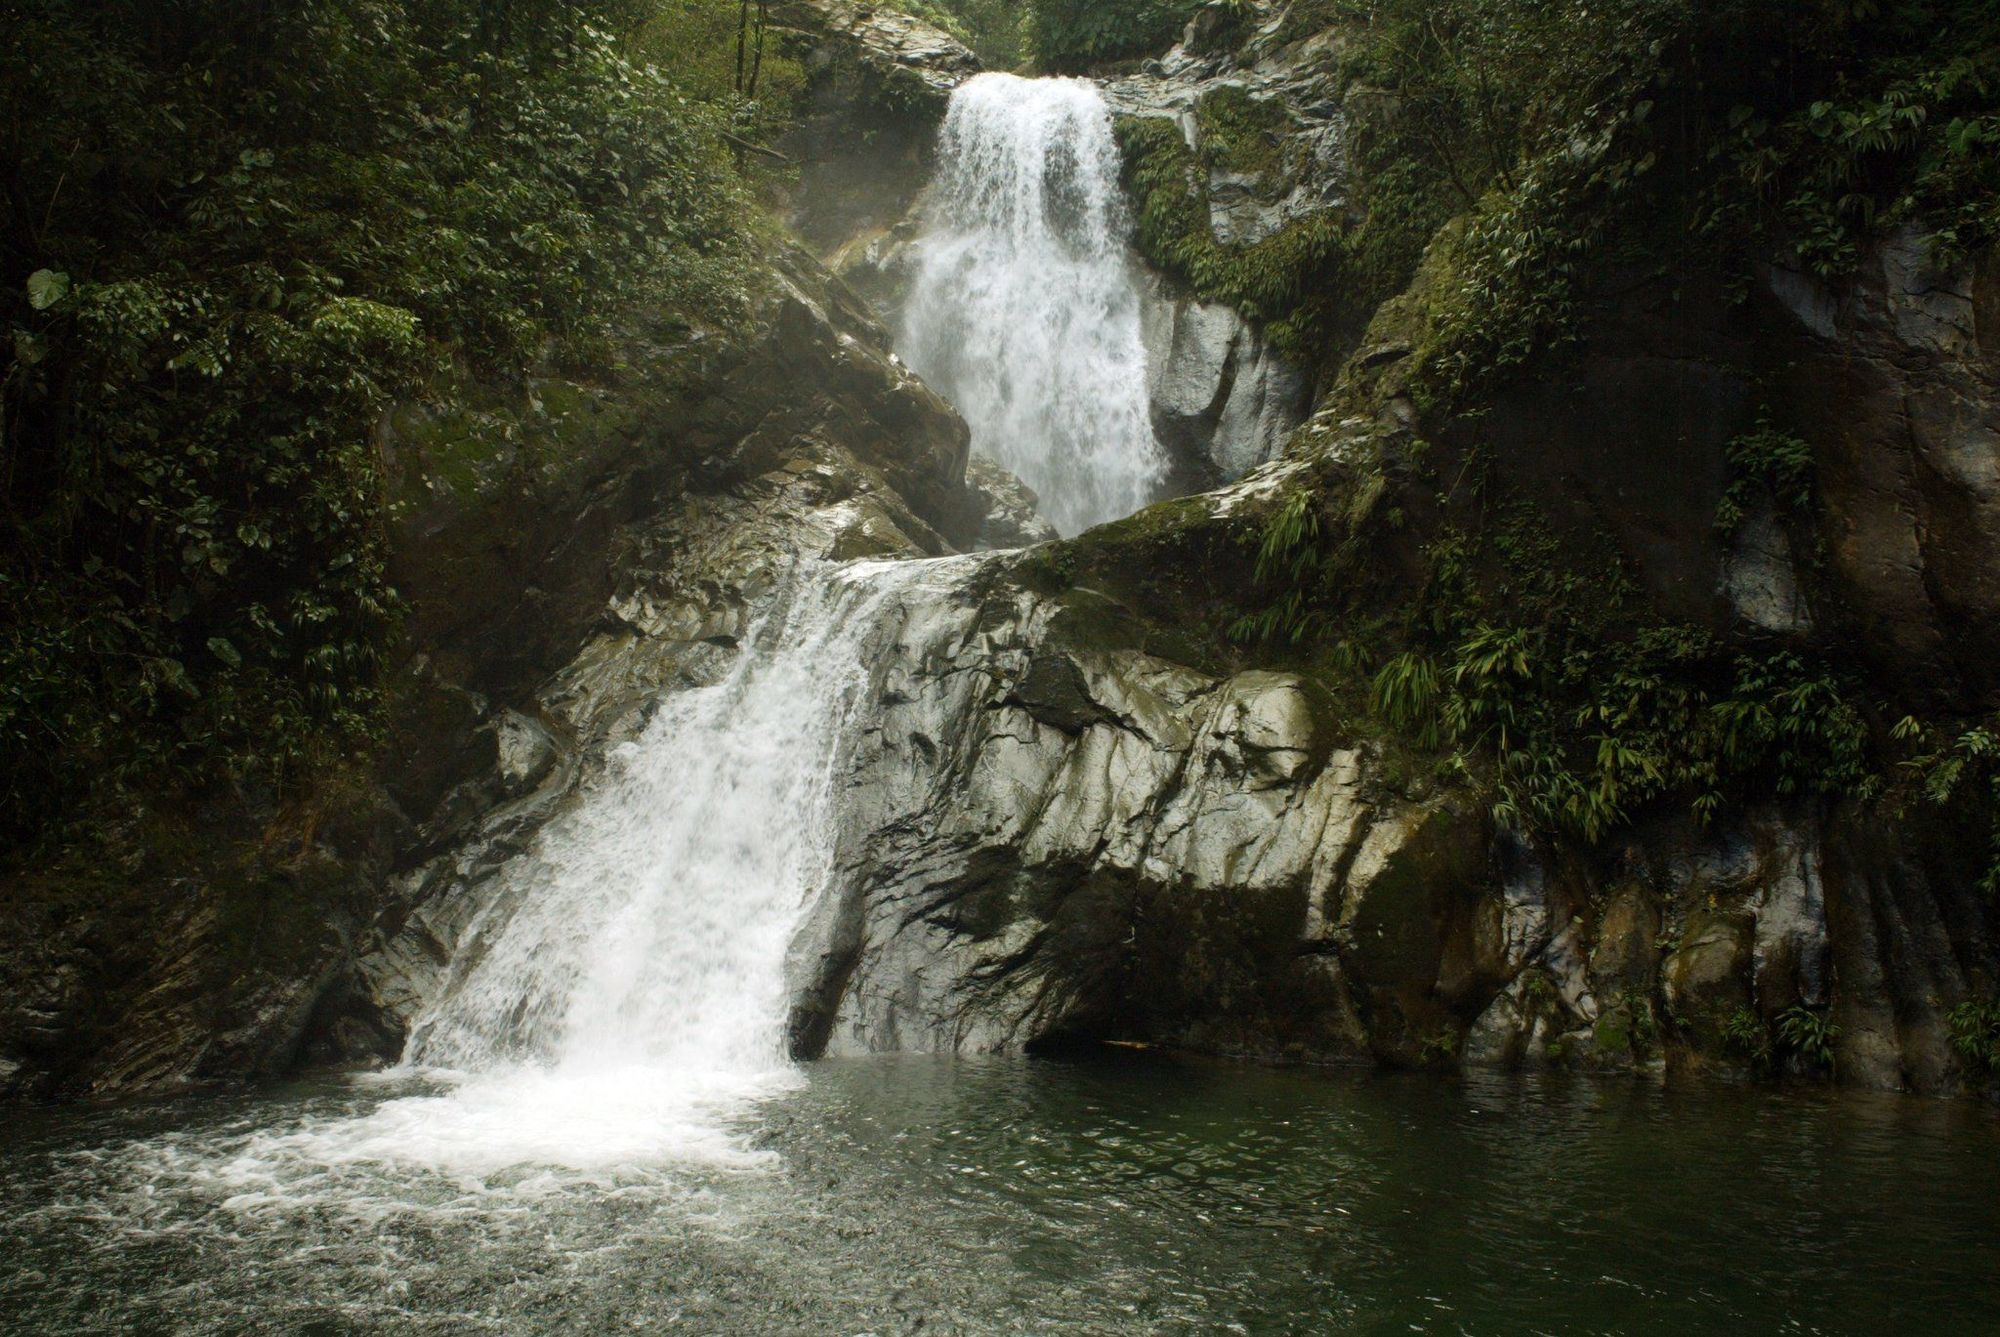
526 751
1760 579
883 37
1012 519
1896 383
1709 976
878 83
1626 958
1790 952
1222 400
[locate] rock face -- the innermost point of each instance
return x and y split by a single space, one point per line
1222 399
1893 381
170 967
879 82
1051 832
1054 827
1896 380
1264 65
1048 834
1012 520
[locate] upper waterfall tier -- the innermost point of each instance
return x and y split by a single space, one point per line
1025 310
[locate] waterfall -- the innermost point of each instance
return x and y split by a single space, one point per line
647 927
1024 309
621 1000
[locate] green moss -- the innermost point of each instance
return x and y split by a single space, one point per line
1049 568
1246 135
1287 281
1625 1029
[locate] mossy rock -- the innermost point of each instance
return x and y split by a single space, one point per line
1288 281
1247 136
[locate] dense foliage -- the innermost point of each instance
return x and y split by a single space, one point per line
994 29
1071 35
234 234
1975 1035
1549 688
1559 130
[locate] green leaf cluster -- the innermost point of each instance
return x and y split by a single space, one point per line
1544 687
1809 1033
1975 1034
1567 135
1575 738
1959 774
1768 463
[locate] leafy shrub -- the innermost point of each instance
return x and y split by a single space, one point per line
1570 718
1578 736
1768 462
1246 135
1808 1033
694 41
1407 692
1745 1035
1975 1034
1289 552
1899 126
1961 773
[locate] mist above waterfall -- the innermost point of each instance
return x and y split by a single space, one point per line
1025 308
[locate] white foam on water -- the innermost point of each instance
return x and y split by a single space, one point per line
1024 310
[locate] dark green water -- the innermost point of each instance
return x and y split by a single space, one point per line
943 1196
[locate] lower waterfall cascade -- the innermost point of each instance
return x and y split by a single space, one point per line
1025 307
649 927
621 999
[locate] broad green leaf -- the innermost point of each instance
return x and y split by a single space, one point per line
46 287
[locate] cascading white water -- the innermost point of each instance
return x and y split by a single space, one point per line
648 926
1024 310
623 999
